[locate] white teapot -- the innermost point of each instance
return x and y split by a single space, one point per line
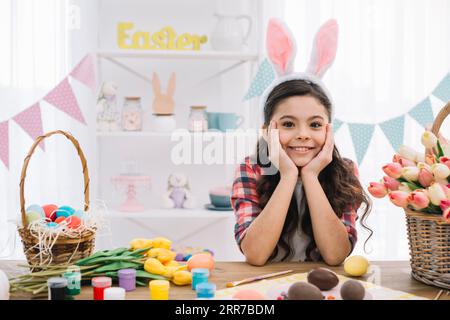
228 34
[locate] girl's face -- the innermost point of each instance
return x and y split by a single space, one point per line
301 123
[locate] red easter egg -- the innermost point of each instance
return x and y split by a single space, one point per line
73 222
59 220
249 294
50 211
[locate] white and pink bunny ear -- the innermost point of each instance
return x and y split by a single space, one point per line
281 47
324 49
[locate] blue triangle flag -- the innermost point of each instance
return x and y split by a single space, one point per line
442 91
394 129
263 78
361 135
337 124
423 113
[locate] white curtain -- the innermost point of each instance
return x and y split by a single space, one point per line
391 55
36 55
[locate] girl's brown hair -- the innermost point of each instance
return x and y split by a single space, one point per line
341 186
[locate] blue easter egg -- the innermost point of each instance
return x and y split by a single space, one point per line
179 257
186 257
33 216
36 208
52 224
65 211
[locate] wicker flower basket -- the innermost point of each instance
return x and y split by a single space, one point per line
65 249
429 237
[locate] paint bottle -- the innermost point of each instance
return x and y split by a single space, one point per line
127 279
73 277
159 289
206 290
57 288
199 275
114 294
100 284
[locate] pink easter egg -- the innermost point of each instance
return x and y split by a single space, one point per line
73 222
50 211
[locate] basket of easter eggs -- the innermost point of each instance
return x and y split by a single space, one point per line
53 235
419 182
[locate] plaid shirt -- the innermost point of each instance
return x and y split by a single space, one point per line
245 202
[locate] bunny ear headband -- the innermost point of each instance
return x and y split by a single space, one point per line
282 49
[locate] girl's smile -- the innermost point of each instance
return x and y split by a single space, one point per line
301 122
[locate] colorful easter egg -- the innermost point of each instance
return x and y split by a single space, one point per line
33 216
36 208
201 260
356 266
73 222
248 294
60 219
65 211
179 257
50 211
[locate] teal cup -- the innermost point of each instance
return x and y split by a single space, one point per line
213 120
229 121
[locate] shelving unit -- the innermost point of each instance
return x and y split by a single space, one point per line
166 54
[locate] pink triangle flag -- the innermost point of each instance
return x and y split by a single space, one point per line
30 120
63 98
4 143
85 72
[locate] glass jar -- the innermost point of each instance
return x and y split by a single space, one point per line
198 120
132 114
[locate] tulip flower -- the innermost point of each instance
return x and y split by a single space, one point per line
404 187
426 178
399 198
429 140
408 153
391 183
406 163
393 170
445 160
420 157
440 171
378 190
430 159
410 173
436 193
444 204
446 214
418 199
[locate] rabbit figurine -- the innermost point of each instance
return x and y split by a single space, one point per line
163 104
178 194
108 114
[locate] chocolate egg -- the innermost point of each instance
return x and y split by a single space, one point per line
323 278
304 291
352 290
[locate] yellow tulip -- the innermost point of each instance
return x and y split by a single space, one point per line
161 242
153 252
165 255
154 266
136 244
181 278
169 272
172 263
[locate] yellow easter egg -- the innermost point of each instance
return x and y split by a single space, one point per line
356 266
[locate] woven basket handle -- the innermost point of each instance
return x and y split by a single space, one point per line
445 111
27 160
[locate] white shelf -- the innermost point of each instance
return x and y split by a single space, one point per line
167 134
171 54
172 213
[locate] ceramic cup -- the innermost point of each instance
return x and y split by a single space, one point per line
229 121
213 120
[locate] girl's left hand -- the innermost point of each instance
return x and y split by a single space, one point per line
323 158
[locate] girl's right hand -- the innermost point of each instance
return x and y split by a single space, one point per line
277 155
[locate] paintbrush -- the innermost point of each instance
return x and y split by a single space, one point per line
257 278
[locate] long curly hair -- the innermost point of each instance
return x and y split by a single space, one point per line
341 186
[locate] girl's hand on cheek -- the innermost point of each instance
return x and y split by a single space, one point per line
323 158
277 155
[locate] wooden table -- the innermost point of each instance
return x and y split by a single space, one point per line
392 274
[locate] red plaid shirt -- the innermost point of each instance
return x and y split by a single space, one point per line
245 202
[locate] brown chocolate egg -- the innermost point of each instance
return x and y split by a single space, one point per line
304 291
352 290
323 278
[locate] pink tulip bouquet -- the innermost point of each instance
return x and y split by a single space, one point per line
416 181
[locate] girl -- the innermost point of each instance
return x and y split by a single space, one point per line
305 209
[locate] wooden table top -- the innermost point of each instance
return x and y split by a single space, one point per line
392 274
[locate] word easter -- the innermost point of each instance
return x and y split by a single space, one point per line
165 39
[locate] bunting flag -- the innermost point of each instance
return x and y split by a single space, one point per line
394 131
4 143
423 113
85 72
336 125
361 135
442 91
63 98
30 121
264 76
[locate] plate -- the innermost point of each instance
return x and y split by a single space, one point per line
274 292
210 206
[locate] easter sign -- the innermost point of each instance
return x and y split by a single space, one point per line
165 39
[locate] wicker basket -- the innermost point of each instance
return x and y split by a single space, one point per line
65 249
429 237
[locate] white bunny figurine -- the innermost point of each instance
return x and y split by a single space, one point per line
178 194
108 114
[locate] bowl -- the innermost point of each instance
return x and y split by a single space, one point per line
220 200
